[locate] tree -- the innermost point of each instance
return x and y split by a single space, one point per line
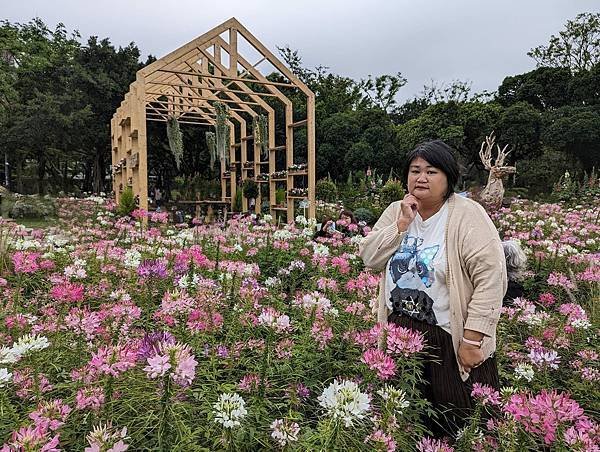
381 91
455 91
543 88
103 75
577 47
575 131
519 126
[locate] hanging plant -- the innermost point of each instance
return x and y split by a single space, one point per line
212 148
260 129
175 139
222 143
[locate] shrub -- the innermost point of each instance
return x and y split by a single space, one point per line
280 196
250 188
364 214
237 204
126 202
326 190
391 191
31 206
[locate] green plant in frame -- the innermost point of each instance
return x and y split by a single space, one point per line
175 139
250 188
211 143
222 130
260 127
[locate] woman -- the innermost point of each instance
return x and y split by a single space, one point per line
444 275
516 262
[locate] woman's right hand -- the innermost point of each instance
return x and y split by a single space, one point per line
408 211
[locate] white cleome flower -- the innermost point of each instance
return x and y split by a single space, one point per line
8 355
229 410
344 400
5 377
320 249
132 259
271 281
396 397
29 343
524 371
284 431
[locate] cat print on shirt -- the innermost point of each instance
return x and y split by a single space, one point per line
411 269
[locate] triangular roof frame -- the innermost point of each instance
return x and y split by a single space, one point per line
186 83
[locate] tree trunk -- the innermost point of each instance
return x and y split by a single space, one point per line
41 173
19 176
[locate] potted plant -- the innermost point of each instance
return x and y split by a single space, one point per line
250 188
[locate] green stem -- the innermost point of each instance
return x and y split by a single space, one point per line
163 427
265 366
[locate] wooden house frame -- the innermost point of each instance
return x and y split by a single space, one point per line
185 84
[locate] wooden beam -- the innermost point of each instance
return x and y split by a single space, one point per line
227 101
181 122
230 79
299 123
225 90
186 112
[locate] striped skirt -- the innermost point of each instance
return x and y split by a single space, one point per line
443 387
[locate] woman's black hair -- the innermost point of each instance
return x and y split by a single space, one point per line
439 155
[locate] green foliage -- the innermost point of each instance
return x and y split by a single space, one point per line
577 47
29 206
260 130
250 188
222 135
391 191
519 125
541 172
381 91
576 131
126 202
237 203
280 196
576 190
326 190
364 214
542 88
212 148
175 139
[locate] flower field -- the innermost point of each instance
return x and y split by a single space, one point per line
120 334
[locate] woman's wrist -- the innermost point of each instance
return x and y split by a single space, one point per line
473 335
402 226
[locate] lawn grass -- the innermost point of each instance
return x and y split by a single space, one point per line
37 223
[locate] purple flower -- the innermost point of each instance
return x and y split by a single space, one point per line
152 268
149 346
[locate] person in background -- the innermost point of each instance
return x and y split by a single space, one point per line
516 262
348 225
158 199
444 275
327 227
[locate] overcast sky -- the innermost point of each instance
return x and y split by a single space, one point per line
481 41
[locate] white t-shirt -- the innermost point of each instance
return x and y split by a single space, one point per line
416 273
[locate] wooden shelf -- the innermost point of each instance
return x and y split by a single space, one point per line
279 180
262 181
297 173
297 197
279 208
277 148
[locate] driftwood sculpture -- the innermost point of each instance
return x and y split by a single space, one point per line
492 194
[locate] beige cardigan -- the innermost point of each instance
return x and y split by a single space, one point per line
475 271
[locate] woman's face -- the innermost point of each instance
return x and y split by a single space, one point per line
426 182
